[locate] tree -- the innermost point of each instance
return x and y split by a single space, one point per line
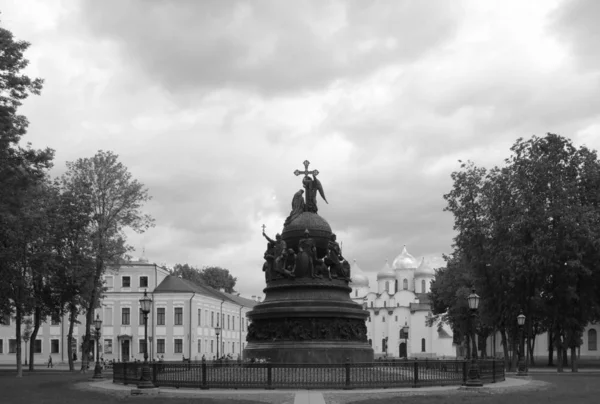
528 234
215 277
21 170
218 278
116 203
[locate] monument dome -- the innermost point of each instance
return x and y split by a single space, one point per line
404 260
386 272
316 225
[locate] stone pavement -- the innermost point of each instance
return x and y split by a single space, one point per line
302 396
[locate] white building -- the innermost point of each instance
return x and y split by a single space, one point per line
182 323
398 303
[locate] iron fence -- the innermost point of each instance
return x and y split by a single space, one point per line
377 374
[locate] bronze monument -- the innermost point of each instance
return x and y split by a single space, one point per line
307 315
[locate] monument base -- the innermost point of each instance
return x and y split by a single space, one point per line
323 352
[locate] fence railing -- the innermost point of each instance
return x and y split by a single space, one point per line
377 374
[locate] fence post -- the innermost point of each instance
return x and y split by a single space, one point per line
269 376
125 373
347 386
493 370
416 374
204 384
154 374
464 372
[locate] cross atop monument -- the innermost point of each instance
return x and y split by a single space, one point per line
264 227
306 172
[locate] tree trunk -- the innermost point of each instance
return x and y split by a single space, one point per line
531 348
483 347
505 348
574 367
36 328
89 315
72 319
18 318
565 357
550 348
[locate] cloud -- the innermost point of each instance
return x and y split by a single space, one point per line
269 46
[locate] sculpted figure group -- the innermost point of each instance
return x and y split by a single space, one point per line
283 262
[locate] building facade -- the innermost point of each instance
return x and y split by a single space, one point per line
400 323
183 322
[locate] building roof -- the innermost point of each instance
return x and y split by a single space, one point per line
386 272
175 284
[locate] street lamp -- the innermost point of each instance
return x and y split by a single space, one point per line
474 378
521 368
405 332
145 382
217 332
98 368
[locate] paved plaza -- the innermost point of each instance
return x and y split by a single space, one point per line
59 386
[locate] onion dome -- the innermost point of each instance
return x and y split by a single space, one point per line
424 269
358 278
386 272
404 261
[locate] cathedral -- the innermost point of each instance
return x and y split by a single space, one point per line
399 323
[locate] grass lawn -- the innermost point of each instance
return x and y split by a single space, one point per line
579 388
62 388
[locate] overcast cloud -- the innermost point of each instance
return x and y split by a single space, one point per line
214 104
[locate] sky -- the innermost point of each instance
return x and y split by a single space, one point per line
213 105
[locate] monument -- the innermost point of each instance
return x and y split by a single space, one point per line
307 315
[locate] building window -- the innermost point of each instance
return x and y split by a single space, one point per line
396 286
160 346
143 281
108 346
206 318
199 345
54 345
384 304
160 316
369 319
370 342
107 320
592 340
211 345
108 280
423 290
142 322
54 320
355 293
178 345
126 282
142 345
5 320
178 315
125 316
12 346
387 286
383 319
405 284
1 346
199 318
212 319
422 344
396 318
371 304
37 346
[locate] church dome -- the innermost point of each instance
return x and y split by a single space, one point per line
424 269
404 260
386 272
358 278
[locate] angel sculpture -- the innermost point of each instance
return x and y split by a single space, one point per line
312 185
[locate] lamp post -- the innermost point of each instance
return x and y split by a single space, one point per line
405 332
98 368
145 382
521 368
474 378
217 332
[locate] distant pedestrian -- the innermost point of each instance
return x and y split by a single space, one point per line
50 365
